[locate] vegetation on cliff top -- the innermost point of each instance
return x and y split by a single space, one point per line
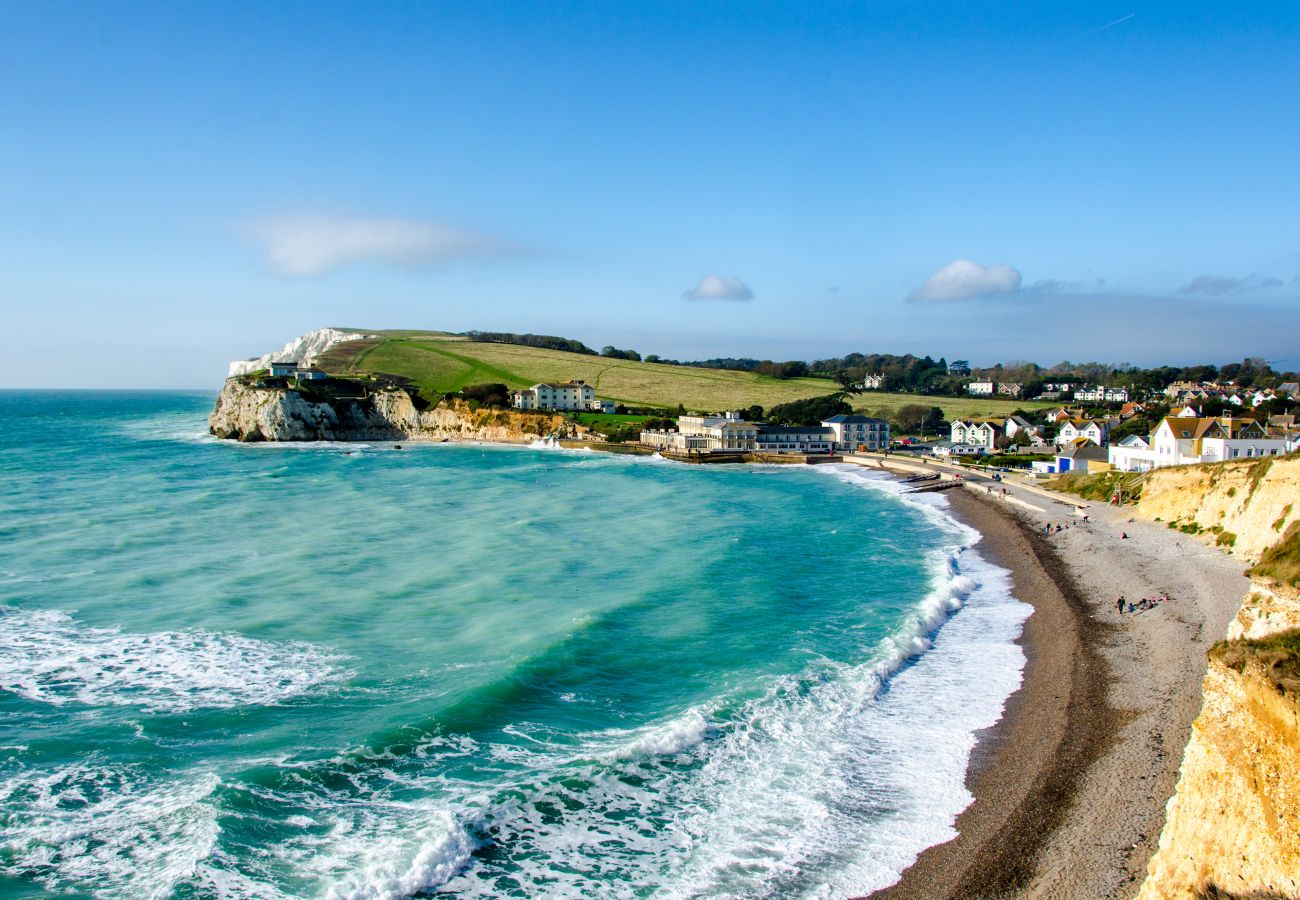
1275 656
1281 562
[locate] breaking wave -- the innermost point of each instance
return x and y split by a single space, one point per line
48 657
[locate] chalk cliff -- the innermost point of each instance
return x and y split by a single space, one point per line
303 350
245 412
1232 828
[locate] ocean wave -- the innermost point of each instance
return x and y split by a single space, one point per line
46 656
106 831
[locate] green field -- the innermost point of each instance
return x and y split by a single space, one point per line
438 362
603 421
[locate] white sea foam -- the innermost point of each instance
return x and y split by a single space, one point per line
106 831
47 656
390 851
669 739
828 785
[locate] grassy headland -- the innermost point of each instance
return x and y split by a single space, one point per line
437 362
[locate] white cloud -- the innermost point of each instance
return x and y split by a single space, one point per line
313 245
719 287
963 279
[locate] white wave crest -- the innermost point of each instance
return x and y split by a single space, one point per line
106 831
48 657
679 735
381 850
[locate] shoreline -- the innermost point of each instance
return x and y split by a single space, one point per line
1022 770
1070 785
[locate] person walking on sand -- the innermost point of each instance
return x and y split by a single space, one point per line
1119 604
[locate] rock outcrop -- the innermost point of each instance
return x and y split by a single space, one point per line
245 412
1232 828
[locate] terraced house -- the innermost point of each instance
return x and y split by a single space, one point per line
977 432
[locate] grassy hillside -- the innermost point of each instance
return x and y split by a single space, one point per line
440 362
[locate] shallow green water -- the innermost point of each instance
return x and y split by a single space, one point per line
348 670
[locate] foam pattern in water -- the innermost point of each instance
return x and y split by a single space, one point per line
47 656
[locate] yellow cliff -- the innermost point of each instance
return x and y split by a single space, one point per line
1232 828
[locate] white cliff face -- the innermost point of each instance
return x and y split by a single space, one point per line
303 350
247 413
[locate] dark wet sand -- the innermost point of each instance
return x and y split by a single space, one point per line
1027 768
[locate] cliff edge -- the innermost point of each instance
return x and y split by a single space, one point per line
1232 828
246 412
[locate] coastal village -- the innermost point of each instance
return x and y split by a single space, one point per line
1095 428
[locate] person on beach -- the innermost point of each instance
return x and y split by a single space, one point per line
1119 604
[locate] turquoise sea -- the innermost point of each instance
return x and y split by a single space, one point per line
335 670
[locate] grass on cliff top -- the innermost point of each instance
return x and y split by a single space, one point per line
1276 656
1281 562
438 363
1101 486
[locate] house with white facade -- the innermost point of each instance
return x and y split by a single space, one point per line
1101 395
1182 441
1187 440
981 388
1132 453
1019 424
977 433
566 395
1095 430
854 432
871 382
949 448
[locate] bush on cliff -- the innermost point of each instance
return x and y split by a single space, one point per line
1275 656
1281 562
491 394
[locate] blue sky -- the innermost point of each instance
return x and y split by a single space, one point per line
187 183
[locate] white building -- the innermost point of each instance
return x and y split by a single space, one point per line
1095 430
567 395
949 448
1132 454
853 432
1186 440
284 369
871 382
796 439
976 433
731 433
1018 424
1101 395
981 388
